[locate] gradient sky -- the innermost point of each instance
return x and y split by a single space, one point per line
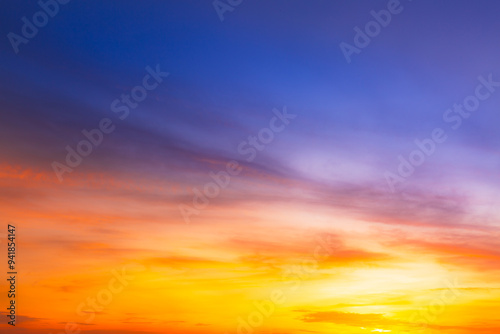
393 255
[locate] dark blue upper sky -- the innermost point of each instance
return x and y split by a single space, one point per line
226 77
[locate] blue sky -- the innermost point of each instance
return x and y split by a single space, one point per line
226 77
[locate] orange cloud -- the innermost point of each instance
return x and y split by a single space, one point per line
350 319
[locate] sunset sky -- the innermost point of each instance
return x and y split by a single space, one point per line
260 181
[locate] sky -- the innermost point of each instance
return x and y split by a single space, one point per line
235 166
